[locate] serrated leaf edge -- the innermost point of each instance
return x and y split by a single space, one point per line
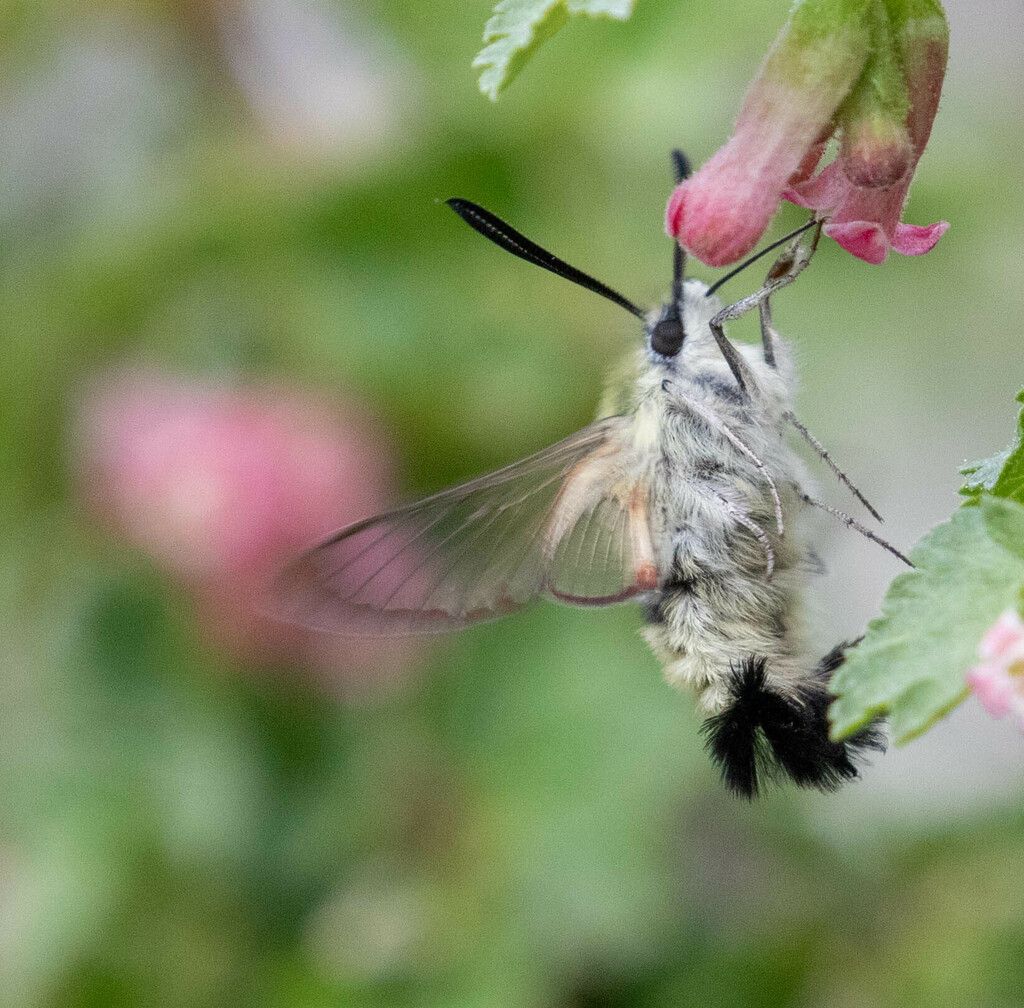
528 34
972 489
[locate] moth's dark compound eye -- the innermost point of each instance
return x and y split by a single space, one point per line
667 337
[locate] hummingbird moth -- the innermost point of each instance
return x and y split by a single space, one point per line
687 500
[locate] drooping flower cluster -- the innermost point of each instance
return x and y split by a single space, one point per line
998 679
222 485
867 71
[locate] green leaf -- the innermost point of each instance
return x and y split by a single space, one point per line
1003 473
912 661
519 27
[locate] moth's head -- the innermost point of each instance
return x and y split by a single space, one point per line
666 336
684 317
692 303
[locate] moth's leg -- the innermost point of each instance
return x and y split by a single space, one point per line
759 533
740 368
716 424
768 333
789 265
856 526
831 463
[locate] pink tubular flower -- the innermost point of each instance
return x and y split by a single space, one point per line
998 679
223 485
721 212
865 219
869 70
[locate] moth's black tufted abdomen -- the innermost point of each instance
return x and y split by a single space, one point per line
763 734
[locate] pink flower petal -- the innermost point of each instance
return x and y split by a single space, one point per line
994 687
825 191
996 680
1005 638
864 221
864 239
913 239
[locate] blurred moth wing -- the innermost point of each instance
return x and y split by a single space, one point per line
571 523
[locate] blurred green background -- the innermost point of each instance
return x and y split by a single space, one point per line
246 192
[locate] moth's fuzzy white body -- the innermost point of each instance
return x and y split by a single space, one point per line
716 605
684 497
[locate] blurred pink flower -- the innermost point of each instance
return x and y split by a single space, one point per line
223 485
998 679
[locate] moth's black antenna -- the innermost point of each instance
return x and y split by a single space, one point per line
681 163
682 170
668 335
757 255
507 237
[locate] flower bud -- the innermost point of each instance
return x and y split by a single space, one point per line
876 152
876 149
